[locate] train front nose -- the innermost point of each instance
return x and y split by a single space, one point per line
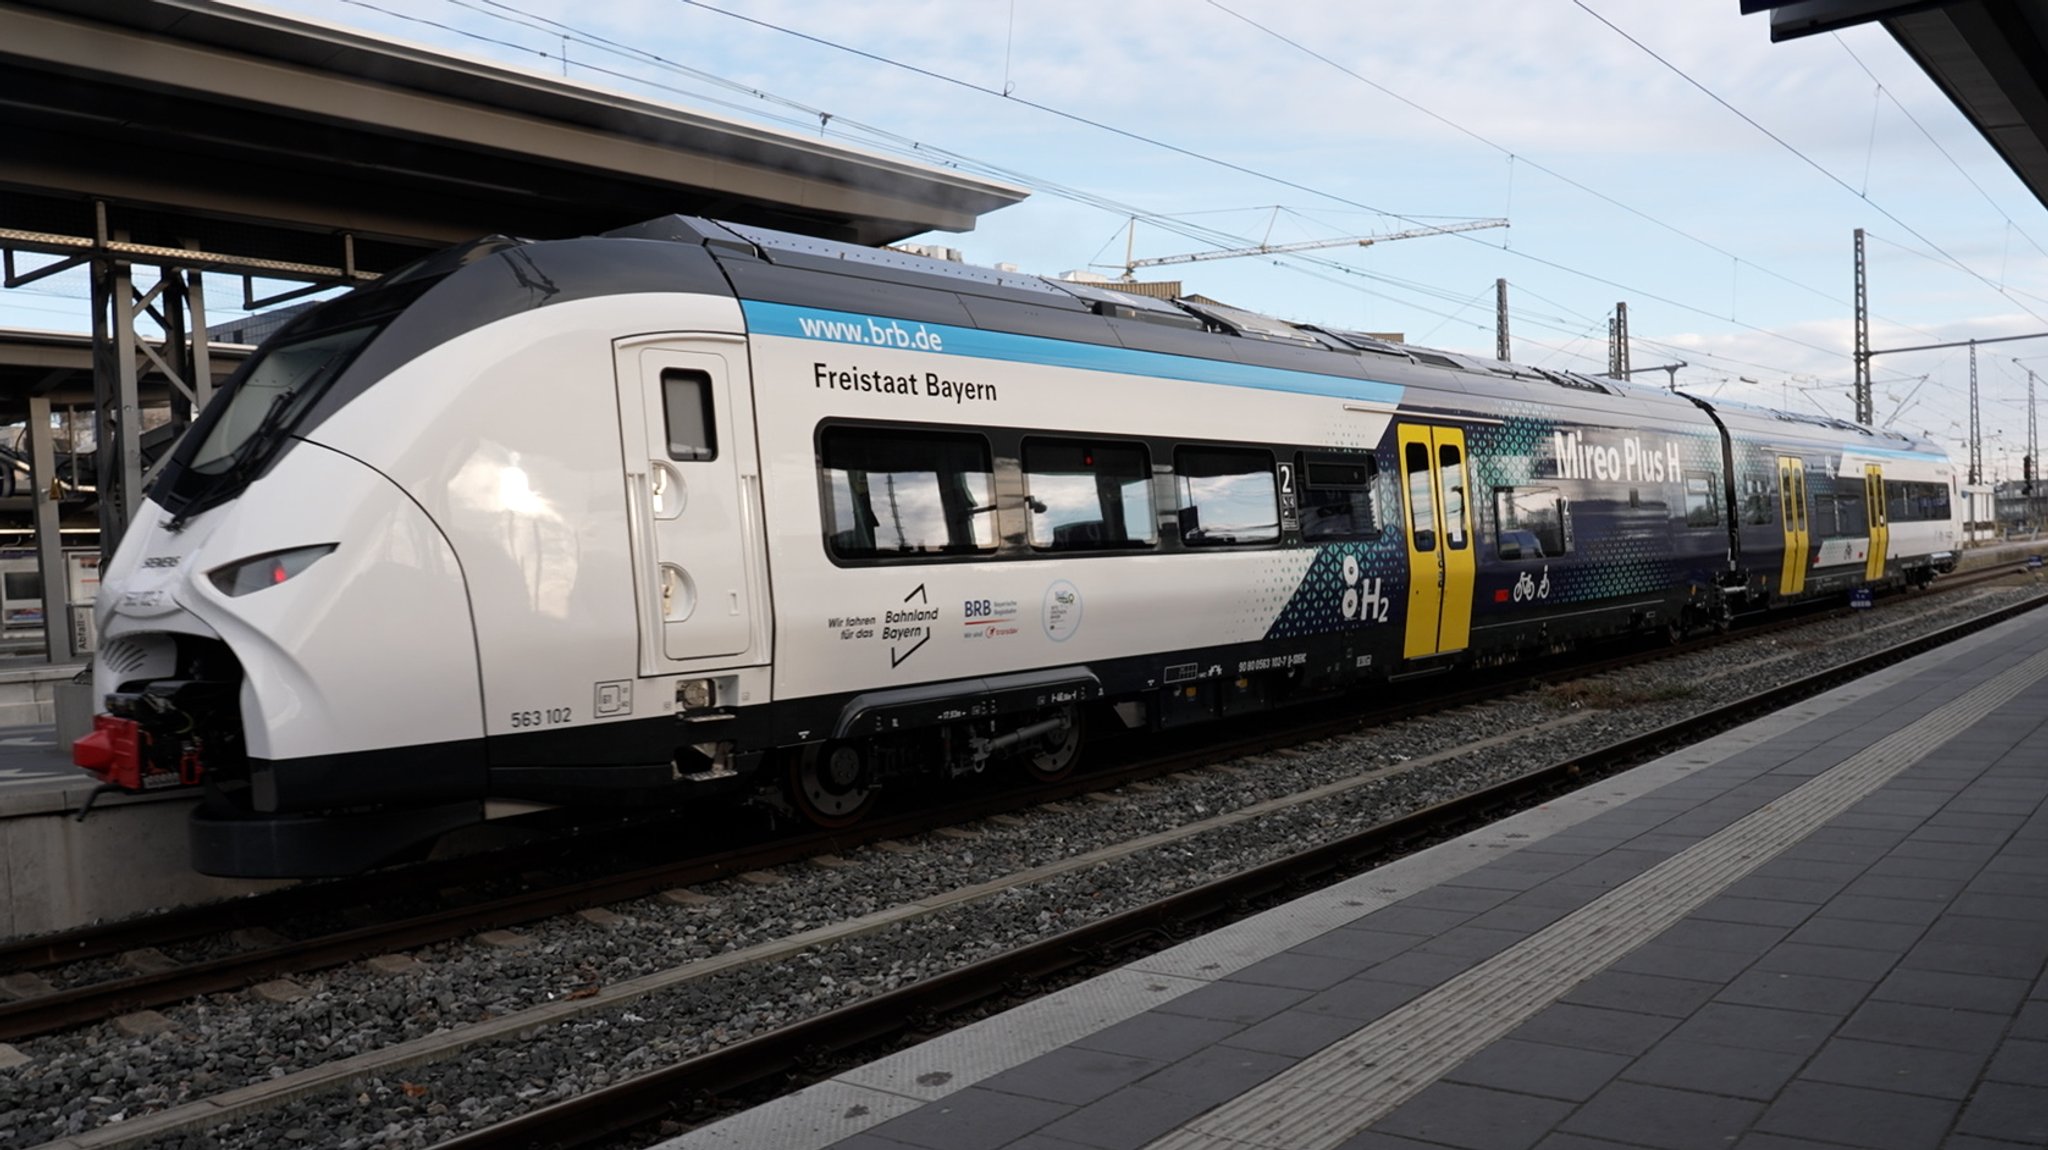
306 653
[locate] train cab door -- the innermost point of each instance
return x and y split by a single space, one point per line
1880 522
1792 513
1442 568
683 411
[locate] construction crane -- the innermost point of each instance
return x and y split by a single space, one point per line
1132 265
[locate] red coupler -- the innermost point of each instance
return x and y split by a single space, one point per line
113 751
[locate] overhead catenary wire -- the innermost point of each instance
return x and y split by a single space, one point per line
1164 221
1168 223
1230 165
1515 157
810 114
1945 154
1802 156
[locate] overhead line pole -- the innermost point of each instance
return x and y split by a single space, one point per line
1617 342
1864 414
2030 466
1500 321
1976 428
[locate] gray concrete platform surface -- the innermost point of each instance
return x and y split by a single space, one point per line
129 856
1826 929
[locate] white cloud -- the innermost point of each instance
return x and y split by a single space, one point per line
1541 79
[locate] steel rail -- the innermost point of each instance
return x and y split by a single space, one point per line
591 1117
75 1006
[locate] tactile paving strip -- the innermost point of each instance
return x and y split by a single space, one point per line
1358 1080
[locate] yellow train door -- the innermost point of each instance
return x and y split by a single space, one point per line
1442 566
1792 512
1880 522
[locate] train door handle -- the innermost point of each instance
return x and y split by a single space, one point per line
666 494
678 593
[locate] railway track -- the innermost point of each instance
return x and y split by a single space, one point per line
97 1001
788 1055
249 1104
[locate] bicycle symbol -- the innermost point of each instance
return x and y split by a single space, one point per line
1527 588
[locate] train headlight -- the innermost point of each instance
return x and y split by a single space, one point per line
260 571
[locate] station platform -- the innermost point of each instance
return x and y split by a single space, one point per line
130 855
1824 929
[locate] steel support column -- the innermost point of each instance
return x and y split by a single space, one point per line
201 360
176 304
116 405
42 462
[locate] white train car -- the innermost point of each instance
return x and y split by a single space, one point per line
696 511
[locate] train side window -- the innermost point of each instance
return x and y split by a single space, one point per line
1421 497
1452 460
1226 495
1935 505
1085 495
1896 502
1851 517
1909 501
686 407
889 493
1702 500
1336 498
1529 522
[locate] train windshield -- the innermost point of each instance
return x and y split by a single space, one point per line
280 386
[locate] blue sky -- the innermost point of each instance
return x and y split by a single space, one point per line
1623 180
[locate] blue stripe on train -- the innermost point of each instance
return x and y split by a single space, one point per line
881 333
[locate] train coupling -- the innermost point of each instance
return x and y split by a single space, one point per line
149 740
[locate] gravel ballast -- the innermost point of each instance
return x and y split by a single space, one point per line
84 1079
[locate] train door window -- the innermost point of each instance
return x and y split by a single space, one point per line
891 492
1451 458
1226 495
686 407
1529 523
1421 497
1336 498
1702 500
1088 495
1756 505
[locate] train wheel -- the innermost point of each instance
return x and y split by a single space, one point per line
1057 753
832 784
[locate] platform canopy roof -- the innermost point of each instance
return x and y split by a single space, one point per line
58 366
206 124
1990 56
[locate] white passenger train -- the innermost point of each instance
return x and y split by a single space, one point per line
704 510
